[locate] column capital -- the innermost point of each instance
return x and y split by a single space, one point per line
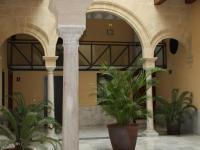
71 33
50 62
149 62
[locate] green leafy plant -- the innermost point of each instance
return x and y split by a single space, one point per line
174 111
25 124
119 93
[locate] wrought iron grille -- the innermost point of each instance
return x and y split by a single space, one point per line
27 55
118 54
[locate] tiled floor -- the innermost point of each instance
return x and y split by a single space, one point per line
96 132
93 132
148 143
96 138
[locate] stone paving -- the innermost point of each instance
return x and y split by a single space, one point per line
189 142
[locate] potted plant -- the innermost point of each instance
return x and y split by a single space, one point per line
173 112
119 95
24 125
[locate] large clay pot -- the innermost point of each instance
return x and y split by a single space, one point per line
173 128
123 137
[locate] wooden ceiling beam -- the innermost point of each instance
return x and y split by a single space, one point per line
159 2
189 1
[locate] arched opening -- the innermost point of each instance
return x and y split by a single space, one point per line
171 59
23 69
107 39
175 60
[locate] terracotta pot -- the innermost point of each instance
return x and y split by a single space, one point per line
123 137
173 128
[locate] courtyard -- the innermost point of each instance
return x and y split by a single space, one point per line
187 142
69 69
97 138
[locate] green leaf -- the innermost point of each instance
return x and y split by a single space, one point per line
174 109
120 96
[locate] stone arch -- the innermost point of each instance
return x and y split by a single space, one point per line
165 34
184 39
126 15
28 29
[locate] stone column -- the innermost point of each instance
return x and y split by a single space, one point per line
50 63
71 35
149 63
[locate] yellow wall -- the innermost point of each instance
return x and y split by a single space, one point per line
185 65
96 30
87 88
31 85
31 17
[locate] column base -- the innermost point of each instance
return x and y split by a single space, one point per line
196 123
150 133
53 135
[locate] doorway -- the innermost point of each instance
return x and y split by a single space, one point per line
58 97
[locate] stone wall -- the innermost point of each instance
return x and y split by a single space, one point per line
31 17
93 116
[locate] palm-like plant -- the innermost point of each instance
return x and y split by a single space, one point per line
120 94
172 113
25 124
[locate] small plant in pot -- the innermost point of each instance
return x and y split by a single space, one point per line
172 113
119 95
25 125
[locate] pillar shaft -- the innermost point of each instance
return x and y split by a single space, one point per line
71 35
150 120
50 63
149 63
50 84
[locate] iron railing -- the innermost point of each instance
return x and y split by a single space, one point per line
27 55
93 54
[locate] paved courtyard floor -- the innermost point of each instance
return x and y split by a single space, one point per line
96 138
191 142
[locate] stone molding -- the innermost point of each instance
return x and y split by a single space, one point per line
166 34
71 33
50 62
149 62
126 15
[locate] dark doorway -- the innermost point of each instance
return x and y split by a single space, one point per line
3 88
10 89
58 97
